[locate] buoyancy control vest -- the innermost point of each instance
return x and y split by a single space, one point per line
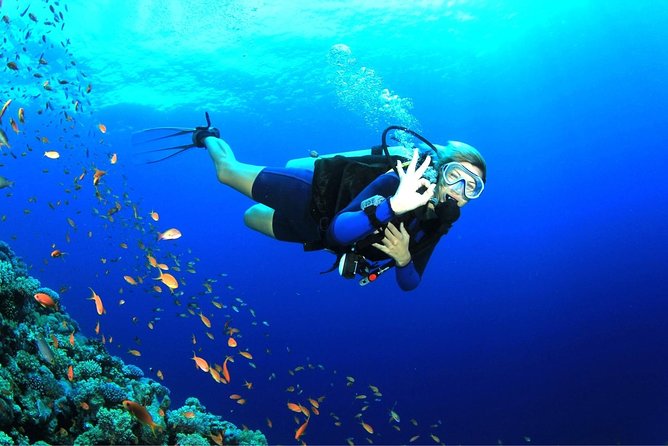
338 180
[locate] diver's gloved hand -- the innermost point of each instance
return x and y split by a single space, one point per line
413 191
202 132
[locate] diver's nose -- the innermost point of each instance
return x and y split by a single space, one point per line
458 188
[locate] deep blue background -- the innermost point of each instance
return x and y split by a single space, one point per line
541 315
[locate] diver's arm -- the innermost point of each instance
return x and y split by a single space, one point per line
407 276
352 224
410 275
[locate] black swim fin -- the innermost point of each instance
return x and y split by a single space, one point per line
153 138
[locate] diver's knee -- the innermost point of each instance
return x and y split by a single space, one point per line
260 218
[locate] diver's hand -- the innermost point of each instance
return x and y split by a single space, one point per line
395 244
407 196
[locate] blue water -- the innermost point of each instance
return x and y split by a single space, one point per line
541 316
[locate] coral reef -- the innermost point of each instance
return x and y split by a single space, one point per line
57 391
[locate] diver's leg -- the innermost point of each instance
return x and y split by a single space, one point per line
231 172
260 218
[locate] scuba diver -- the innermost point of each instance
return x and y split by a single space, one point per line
375 212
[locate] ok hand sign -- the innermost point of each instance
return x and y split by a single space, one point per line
407 196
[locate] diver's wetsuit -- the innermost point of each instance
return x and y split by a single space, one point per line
288 192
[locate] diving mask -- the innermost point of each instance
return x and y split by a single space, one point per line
460 180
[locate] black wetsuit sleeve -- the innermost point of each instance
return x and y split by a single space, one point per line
420 259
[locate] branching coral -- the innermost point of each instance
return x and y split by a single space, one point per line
41 402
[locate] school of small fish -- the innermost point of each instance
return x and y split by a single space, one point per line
46 93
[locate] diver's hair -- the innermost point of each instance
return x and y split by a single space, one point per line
462 153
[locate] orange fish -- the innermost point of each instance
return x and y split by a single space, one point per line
301 430
215 375
248 385
189 414
99 307
102 127
241 401
84 405
97 328
57 253
235 396
4 141
70 373
22 117
205 320
231 342
141 414
114 158
72 339
154 215
97 175
46 301
314 403
367 427
200 363
168 280
160 375
246 355
157 289
134 352
226 372
130 280
52 154
4 108
170 234
152 261
294 407
218 438
56 344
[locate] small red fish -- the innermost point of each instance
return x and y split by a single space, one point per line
140 413
46 301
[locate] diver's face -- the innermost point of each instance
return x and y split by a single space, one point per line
454 190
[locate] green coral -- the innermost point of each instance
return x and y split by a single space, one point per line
251 438
113 426
202 424
15 288
40 405
191 440
6 440
87 369
26 362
